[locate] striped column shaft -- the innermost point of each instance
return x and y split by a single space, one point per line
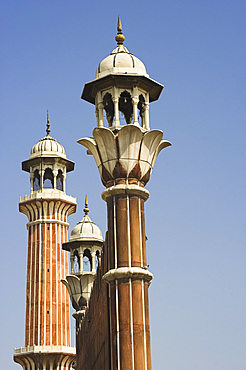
129 310
47 302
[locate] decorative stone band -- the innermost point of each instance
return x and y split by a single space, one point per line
129 153
45 349
47 221
126 189
48 194
136 273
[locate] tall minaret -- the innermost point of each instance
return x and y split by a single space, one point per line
47 324
125 153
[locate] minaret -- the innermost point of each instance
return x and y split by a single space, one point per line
47 324
125 153
85 247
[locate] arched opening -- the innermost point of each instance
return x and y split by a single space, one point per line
36 180
87 260
48 179
59 181
109 108
125 106
97 260
76 262
141 107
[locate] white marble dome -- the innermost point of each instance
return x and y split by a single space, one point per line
120 61
48 147
87 230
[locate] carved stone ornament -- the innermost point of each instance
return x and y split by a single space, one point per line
129 153
79 288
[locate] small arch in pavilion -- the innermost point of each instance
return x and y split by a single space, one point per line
109 108
48 179
125 106
59 180
87 260
36 180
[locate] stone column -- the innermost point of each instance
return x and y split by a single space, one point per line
128 277
100 114
31 180
116 111
93 262
135 101
55 173
81 266
42 179
125 160
146 116
64 175
71 262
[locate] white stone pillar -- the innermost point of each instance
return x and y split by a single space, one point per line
31 179
42 179
71 262
81 267
100 114
64 180
135 101
93 261
116 111
55 173
146 117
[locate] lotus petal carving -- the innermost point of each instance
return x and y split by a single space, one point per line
129 153
79 289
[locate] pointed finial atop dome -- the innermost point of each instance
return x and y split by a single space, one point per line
119 38
86 209
48 124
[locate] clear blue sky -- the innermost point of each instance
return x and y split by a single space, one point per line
195 216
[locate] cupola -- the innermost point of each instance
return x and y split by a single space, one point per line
122 89
48 164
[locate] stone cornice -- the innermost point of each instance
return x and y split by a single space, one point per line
128 273
126 189
44 349
48 195
47 221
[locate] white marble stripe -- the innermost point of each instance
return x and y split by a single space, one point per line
30 285
65 318
128 231
117 322
140 231
64 275
51 287
39 285
115 234
58 278
34 285
45 287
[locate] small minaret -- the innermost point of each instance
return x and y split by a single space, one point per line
85 247
47 324
125 149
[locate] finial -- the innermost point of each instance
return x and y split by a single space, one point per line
119 38
86 209
48 124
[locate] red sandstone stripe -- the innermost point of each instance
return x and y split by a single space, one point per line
121 225
124 321
134 234
138 328
143 233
